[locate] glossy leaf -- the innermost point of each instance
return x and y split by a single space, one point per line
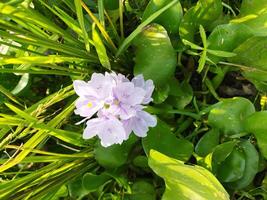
251 167
257 124
163 140
227 37
185 182
221 152
92 182
207 142
253 55
115 155
229 114
142 190
76 189
170 19
233 167
254 15
204 13
153 62
180 94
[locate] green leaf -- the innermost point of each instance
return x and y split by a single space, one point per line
111 4
229 114
140 28
160 138
225 38
207 142
161 93
39 60
254 15
233 167
80 17
153 62
204 13
76 189
100 49
92 182
180 94
170 19
221 152
185 182
251 167
114 156
257 124
253 55
142 190
22 84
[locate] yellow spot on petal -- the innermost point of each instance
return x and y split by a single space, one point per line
89 105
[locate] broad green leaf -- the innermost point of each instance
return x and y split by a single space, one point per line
100 48
251 167
233 167
226 37
114 156
257 124
185 182
76 189
221 152
153 62
140 28
204 13
253 55
161 93
161 138
142 190
170 19
207 142
228 115
92 182
252 7
141 161
253 14
180 94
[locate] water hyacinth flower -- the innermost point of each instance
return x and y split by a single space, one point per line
118 105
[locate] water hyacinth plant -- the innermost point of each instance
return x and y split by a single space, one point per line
117 102
133 99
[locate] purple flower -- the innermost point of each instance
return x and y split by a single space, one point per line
110 131
139 123
148 86
117 101
93 95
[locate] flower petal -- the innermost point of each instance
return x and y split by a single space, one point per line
92 129
83 89
86 107
150 120
112 133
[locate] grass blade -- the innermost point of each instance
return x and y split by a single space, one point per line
79 12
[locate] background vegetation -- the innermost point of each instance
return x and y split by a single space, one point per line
208 61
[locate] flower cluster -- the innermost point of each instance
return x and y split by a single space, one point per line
118 104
